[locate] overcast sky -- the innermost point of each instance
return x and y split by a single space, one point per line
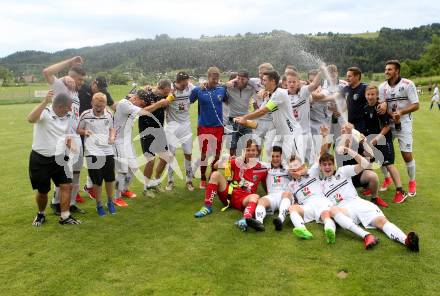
55 25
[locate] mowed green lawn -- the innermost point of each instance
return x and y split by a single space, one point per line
156 246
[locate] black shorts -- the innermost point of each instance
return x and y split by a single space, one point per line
356 180
154 143
43 169
387 151
101 168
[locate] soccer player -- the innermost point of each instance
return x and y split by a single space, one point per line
310 203
378 128
247 173
399 98
300 97
127 110
239 94
178 128
349 209
210 119
265 129
96 125
153 138
435 97
46 162
280 108
85 94
354 94
366 178
277 198
77 74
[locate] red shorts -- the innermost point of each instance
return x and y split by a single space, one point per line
236 199
210 138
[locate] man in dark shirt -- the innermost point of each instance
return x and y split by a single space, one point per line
378 131
354 94
153 138
86 92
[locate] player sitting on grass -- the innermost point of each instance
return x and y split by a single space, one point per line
247 173
349 207
278 197
310 202
379 126
96 125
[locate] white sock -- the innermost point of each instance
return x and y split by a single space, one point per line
284 208
297 220
260 213
89 183
75 189
329 224
146 183
170 174
188 170
56 196
348 224
119 184
65 215
385 172
394 232
128 179
411 169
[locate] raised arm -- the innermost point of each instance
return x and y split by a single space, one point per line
35 114
362 162
50 71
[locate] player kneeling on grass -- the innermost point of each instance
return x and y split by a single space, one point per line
310 202
247 172
349 209
278 197
96 125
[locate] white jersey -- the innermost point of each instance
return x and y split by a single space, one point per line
59 87
277 180
178 109
98 143
280 109
301 108
307 187
435 96
125 115
339 188
398 97
259 102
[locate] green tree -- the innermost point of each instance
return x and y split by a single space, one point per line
6 76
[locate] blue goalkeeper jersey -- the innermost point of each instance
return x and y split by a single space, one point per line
210 105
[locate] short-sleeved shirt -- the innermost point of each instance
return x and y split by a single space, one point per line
50 133
59 87
355 98
374 122
238 100
178 109
156 118
339 187
301 108
124 117
398 97
97 144
307 187
85 95
210 105
280 109
260 102
247 178
277 180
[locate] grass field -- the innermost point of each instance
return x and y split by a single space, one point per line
156 247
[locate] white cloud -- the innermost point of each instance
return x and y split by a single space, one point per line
55 25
